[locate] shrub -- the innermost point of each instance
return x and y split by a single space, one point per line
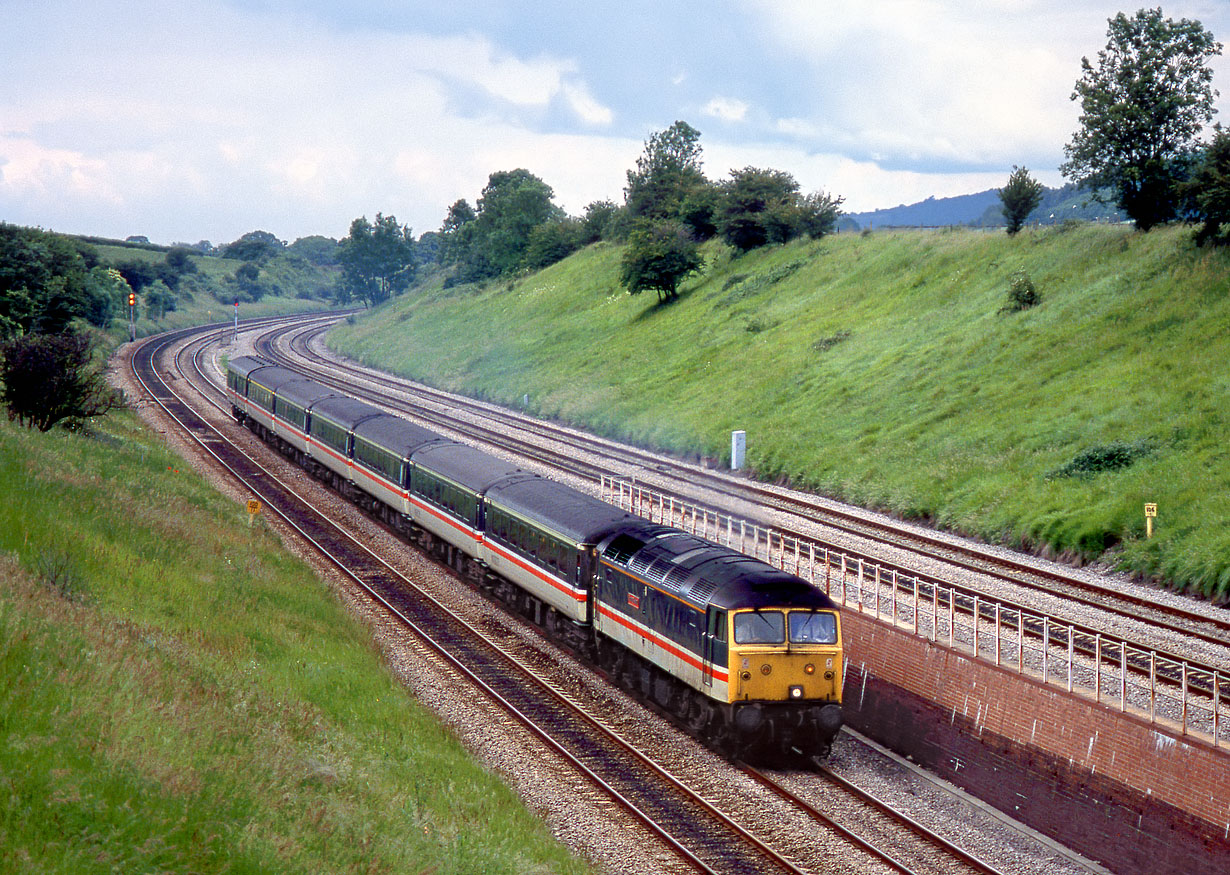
1022 294
824 344
1106 457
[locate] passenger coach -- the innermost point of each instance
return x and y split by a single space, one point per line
746 655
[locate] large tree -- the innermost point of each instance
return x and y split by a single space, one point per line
1142 107
1020 197
493 239
667 173
377 259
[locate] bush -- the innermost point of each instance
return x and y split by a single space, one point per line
49 377
1106 457
1021 293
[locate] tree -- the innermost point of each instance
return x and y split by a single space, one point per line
493 239
667 172
377 259
1020 197
1209 192
44 282
659 257
316 249
818 213
764 206
256 246
602 220
247 277
757 207
1141 109
553 241
50 377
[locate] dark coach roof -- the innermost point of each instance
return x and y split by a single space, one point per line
562 509
273 376
395 434
465 465
245 364
304 392
343 411
703 573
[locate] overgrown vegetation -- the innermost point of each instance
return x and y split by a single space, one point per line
1022 294
46 378
178 694
933 407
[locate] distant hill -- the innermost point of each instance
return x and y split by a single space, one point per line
983 209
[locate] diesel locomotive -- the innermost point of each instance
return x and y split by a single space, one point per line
745 656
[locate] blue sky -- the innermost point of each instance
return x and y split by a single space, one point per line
185 121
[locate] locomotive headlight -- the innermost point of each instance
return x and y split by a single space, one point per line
809 669
766 669
796 692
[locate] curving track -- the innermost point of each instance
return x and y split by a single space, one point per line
574 453
699 832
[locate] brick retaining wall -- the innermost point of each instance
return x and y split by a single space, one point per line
1137 796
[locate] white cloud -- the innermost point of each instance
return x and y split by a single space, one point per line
928 81
728 109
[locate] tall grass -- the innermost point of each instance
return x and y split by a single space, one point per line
178 694
888 371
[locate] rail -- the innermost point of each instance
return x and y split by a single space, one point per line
1189 697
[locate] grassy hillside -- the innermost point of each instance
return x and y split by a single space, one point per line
289 285
882 370
177 694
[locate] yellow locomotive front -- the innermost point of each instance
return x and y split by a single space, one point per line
786 676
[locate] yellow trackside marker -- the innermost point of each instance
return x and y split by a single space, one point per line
1150 513
254 507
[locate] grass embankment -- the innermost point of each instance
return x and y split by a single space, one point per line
178 694
880 370
197 305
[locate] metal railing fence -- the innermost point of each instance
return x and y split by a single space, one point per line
1192 698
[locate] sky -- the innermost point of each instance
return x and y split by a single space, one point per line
187 121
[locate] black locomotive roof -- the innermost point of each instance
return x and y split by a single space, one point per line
575 515
343 411
465 465
396 434
703 573
273 376
245 364
304 392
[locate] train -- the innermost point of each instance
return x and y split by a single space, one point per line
744 656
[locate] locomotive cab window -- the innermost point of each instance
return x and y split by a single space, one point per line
760 627
813 627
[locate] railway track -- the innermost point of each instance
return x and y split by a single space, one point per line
296 350
695 828
570 450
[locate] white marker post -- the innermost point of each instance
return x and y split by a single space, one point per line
738 449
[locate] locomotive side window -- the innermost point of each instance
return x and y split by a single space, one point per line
760 627
812 628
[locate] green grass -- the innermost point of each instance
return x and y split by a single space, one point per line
884 370
178 694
